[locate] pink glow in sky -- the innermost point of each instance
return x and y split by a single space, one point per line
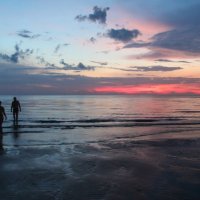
151 89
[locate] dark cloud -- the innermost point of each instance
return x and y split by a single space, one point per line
81 18
177 42
123 35
181 39
183 61
156 53
137 45
18 54
79 67
155 68
92 39
46 63
148 69
67 67
59 46
99 15
182 16
100 63
27 34
166 60
5 57
18 79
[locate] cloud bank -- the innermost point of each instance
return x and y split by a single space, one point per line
31 80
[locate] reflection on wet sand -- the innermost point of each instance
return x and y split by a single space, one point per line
15 130
1 141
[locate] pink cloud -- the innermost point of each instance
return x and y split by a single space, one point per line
146 26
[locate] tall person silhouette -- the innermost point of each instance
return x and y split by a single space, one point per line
2 117
15 109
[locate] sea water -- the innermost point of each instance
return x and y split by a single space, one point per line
67 119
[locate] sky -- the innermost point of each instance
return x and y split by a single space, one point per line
100 47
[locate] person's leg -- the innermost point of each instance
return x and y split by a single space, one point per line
17 116
14 115
1 131
1 136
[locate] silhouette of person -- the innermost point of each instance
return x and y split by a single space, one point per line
15 108
2 117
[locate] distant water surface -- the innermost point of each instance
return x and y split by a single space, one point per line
57 120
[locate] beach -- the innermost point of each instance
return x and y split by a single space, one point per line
95 148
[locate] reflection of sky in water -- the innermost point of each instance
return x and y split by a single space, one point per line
81 107
78 119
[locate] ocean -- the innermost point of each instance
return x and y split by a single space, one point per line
87 118
101 147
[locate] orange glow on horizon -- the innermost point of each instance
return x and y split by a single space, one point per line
162 89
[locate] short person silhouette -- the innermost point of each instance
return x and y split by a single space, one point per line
15 108
2 117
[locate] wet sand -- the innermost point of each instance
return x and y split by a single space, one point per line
153 169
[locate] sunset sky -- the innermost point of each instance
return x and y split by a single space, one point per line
100 47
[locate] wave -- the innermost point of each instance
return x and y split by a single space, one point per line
101 120
189 111
102 123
